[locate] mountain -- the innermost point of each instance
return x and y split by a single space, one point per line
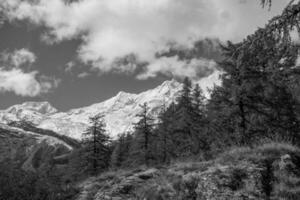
31 150
34 112
120 111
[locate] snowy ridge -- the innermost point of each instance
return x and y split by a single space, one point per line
119 111
31 111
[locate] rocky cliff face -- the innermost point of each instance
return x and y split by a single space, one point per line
268 172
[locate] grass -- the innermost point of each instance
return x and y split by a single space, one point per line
257 153
238 171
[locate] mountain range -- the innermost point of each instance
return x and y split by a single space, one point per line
119 111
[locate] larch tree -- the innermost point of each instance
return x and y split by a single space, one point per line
141 149
97 145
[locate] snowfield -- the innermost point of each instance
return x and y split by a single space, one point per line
119 111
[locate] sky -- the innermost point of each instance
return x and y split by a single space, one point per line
73 53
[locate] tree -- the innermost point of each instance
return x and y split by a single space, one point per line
120 152
164 131
183 116
199 120
258 96
141 152
96 145
198 99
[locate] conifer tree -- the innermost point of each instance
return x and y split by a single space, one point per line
141 148
120 152
259 81
164 130
199 121
184 121
96 144
198 99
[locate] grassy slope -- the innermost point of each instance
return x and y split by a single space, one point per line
270 171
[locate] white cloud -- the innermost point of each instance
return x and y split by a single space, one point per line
16 77
83 75
22 56
69 66
111 29
173 67
19 57
25 84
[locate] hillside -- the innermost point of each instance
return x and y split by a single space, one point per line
31 150
270 171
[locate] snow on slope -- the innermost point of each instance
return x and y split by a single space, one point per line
120 111
31 111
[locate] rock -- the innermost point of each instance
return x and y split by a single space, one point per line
285 162
147 174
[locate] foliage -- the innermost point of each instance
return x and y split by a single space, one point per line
17 184
141 150
96 146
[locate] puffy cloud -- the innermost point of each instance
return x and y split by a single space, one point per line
70 66
18 57
83 75
112 29
22 56
14 77
174 67
25 84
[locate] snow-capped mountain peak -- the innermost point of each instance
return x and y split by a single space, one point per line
40 107
31 111
120 112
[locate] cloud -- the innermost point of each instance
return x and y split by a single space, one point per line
83 75
208 48
22 56
174 67
18 57
15 77
113 29
25 84
70 66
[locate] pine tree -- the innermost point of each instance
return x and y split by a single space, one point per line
141 152
258 91
165 146
183 138
198 99
235 79
120 152
96 144
199 121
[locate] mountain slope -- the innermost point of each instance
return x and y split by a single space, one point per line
30 150
34 112
120 111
